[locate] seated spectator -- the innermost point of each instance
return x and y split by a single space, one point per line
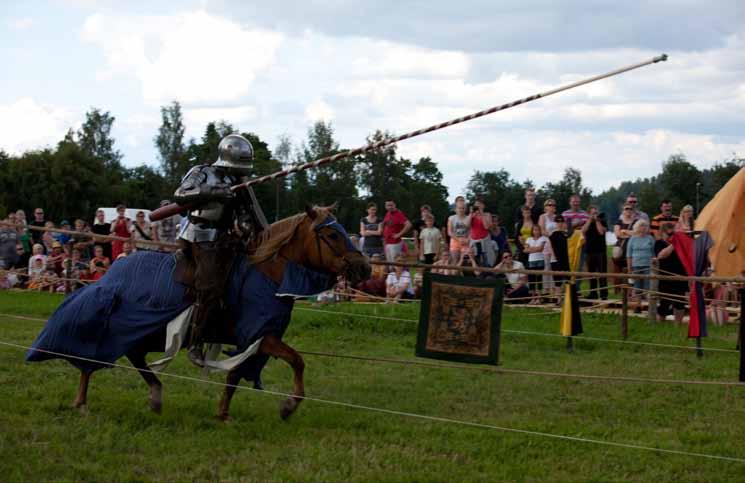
79 269
685 222
99 264
37 272
23 256
64 238
48 237
127 249
534 247
375 285
82 243
670 264
517 283
639 252
665 216
141 230
468 259
444 261
398 285
39 222
37 254
56 259
430 240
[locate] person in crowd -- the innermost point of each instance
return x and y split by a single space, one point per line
633 201
534 247
547 220
575 216
64 238
685 222
395 226
560 250
8 243
141 230
121 227
79 269
430 239
444 261
39 222
517 283
523 229
375 285
101 227
56 259
166 230
371 230
37 262
624 230
420 224
639 254
21 218
37 272
48 238
530 202
23 256
398 285
480 242
82 243
99 264
670 264
594 231
23 232
459 229
127 249
498 235
468 259
665 216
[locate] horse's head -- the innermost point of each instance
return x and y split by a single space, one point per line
328 248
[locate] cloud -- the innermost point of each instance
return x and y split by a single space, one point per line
20 24
25 124
319 110
192 56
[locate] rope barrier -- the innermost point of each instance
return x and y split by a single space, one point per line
404 413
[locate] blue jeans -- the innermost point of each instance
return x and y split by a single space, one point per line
639 283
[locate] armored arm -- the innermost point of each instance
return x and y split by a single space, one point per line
201 185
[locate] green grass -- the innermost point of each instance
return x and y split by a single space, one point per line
119 439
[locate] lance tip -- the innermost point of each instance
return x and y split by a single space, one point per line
661 58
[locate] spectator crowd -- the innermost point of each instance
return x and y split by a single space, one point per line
58 261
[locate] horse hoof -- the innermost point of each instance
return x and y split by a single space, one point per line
224 418
286 408
82 408
156 406
156 399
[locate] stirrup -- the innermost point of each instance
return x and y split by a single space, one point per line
196 355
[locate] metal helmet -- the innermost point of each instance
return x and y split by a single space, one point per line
235 153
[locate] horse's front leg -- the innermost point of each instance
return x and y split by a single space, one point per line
137 358
271 345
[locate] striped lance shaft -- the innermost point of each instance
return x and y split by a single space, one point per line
369 147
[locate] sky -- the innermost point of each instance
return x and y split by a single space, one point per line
274 68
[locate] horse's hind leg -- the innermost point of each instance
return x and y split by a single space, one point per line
233 379
271 345
156 388
82 397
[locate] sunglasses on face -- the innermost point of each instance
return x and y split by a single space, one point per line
627 209
632 201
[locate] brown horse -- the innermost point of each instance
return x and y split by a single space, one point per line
307 240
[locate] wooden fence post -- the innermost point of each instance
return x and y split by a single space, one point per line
742 335
654 285
625 312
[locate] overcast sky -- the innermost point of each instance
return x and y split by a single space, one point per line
275 67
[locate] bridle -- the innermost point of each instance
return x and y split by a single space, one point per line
322 238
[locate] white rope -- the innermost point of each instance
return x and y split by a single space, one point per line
406 414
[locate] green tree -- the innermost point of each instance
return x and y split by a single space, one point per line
170 144
501 194
570 184
678 182
94 138
426 185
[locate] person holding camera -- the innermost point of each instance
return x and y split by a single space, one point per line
99 264
594 231
122 226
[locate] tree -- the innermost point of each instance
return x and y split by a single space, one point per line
206 151
427 188
170 144
678 182
384 176
501 194
570 184
94 138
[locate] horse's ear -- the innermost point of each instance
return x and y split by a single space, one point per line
310 211
333 207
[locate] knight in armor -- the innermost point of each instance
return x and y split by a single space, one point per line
221 222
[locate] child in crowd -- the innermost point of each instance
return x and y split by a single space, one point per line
560 250
534 247
431 239
639 253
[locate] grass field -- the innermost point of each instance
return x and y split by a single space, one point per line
42 439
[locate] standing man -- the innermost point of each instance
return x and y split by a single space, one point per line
165 229
395 226
575 217
665 216
595 249
530 202
8 242
39 221
633 201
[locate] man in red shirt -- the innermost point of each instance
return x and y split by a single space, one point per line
395 225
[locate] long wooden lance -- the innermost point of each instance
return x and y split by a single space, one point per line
172 209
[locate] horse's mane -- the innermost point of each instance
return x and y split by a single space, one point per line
279 233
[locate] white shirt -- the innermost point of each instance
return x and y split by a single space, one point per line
394 281
534 243
430 239
512 277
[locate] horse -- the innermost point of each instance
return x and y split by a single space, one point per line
126 312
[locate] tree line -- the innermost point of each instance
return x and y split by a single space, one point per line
84 171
